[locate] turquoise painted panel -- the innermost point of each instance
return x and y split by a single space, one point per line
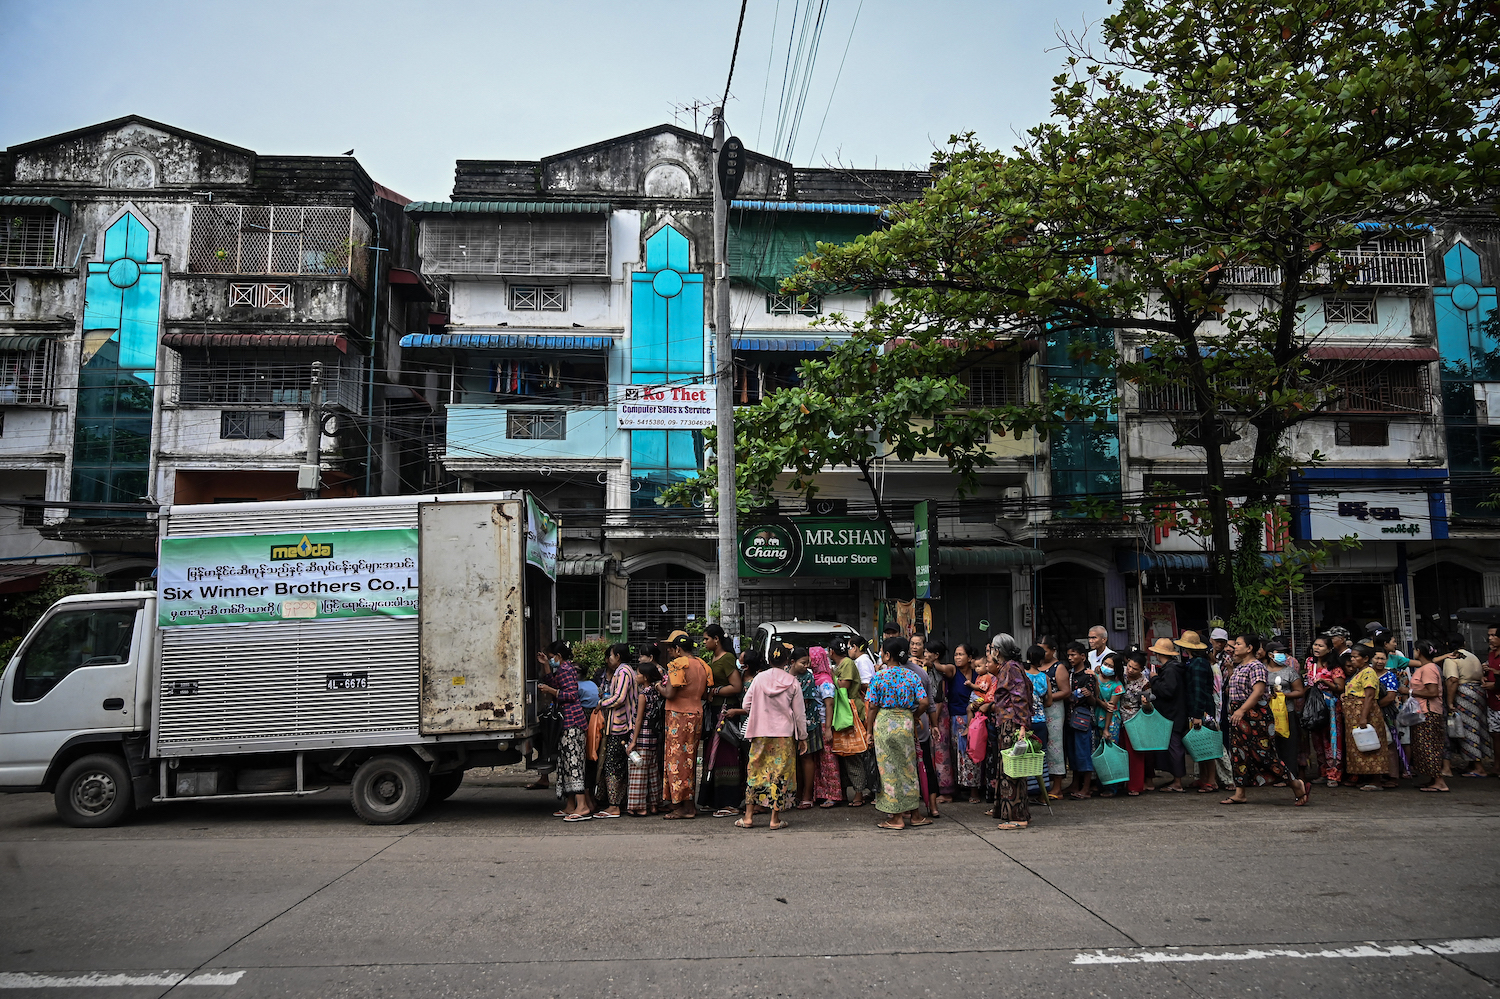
681 452
648 328
480 432
648 450
667 248
685 328
1461 265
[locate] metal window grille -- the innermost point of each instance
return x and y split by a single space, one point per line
31 516
1379 388
442 293
26 377
1177 397
684 600
792 305
538 298
1387 261
553 247
252 425
7 293
1348 310
994 385
260 296
536 425
278 239
1362 433
214 381
32 237
460 246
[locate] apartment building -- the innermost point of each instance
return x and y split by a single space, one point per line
164 297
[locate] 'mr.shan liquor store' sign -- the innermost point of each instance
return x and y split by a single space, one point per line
816 546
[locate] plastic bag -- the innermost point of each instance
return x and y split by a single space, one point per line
1412 713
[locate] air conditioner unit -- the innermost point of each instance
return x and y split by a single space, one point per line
1013 503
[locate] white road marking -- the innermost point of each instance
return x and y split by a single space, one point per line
29 980
1476 945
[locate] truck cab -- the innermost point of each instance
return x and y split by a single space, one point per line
76 695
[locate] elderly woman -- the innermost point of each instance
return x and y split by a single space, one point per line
777 730
894 700
1010 715
1360 704
1250 725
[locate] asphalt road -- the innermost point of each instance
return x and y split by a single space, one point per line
1360 895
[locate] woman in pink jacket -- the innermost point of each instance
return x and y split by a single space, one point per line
777 730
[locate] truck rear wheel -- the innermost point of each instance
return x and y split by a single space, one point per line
388 790
95 791
443 786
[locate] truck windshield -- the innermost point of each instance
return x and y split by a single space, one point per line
95 637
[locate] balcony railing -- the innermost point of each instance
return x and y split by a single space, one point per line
278 239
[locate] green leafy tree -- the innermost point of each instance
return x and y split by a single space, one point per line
18 613
1206 169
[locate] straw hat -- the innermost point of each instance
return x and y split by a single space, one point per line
1164 647
1190 640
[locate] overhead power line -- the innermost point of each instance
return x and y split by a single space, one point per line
736 53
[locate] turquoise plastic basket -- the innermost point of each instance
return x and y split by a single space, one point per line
1204 744
1150 731
1111 763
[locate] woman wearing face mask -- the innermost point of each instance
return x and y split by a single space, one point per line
577 806
1107 719
1287 690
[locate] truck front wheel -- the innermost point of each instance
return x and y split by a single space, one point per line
94 792
388 790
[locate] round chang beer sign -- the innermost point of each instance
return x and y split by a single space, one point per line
769 550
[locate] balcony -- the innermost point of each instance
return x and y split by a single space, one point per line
533 436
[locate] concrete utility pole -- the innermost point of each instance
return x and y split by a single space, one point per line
309 475
729 562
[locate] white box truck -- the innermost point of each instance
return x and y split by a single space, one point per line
386 643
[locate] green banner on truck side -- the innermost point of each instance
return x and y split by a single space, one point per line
816 546
259 578
541 537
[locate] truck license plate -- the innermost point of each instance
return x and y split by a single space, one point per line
347 681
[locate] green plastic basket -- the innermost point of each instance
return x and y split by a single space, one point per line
1111 763
1204 744
1150 731
1030 762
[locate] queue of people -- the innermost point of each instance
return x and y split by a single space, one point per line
909 726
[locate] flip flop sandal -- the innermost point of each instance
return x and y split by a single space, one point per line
742 824
920 823
559 814
1435 790
803 806
1207 788
888 828
724 813
1234 801
606 815
828 804
578 818
778 826
1008 826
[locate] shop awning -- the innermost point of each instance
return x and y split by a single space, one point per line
952 558
784 345
24 577
409 284
508 341
583 565
814 207
1132 561
181 340
58 205
15 343
510 207
1364 353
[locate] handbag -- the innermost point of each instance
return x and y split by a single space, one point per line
853 740
1366 739
1081 718
1455 727
843 711
1412 713
732 730
979 738
595 733
1279 713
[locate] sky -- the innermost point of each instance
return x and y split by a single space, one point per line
413 86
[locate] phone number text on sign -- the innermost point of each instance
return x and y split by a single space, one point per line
666 407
